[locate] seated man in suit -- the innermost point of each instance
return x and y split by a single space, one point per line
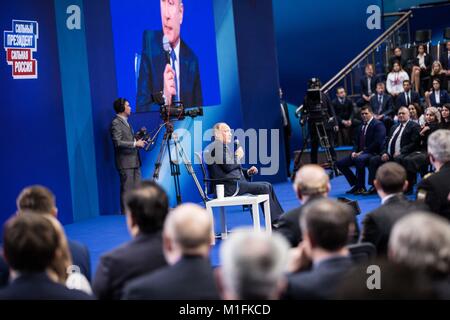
40 200
189 276
369 141
445 61
224 164
253 265
146 208
325 225
403 139
390 182
407 97
383 106
175 73
344 108
368 85
31 246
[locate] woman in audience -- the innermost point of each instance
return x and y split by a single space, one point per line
445 113
395 78
422 66
415 112
437 72
418 160
437 96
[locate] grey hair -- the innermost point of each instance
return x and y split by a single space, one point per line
253 264
421 240
439 145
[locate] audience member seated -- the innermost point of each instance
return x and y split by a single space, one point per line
421 241
187 239
325 225
422 66
415 111
146 208
397 57
417 161
390 183
369 141
253 265
223 160
344 108
445 62
383 106
368 85
434 189
40 200
436 73
403 139
32 249
394 82
407 97
445 115
436 97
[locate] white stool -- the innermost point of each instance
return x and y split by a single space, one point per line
252 200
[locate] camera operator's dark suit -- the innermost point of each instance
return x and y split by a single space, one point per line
329 124
127 157
223 164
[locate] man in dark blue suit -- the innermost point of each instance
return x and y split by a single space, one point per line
408 97
146 208
30 247
368 85
40 200
175 74
189 276
383 106
369 141
322 259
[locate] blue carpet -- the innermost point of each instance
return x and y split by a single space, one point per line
103 233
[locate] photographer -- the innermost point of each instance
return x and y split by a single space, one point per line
318 109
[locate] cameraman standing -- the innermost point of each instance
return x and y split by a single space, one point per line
316 112
126 147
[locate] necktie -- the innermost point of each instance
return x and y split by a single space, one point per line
394 140
173 57
407 99
380 103
362 137
369 87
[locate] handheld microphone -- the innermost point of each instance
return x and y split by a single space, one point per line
167 49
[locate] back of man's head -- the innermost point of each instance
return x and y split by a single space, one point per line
439 145
189 229
148 205
326 222
311 180
421 241
29 242
253 265
391 178
37 199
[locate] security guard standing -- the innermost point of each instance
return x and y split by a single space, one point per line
434 189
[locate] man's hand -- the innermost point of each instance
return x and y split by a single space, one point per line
424 129
239 153
385 157
169 84
356 154
141 143
298 259
252 171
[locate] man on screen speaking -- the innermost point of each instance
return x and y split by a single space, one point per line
168 65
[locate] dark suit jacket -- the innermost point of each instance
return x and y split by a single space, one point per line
435 190
375 136
151 71
127 156
39 287
377 224
191 278
80 257
410 140
442 79
320 282
344 111
131 260
444 60
364 86
427 60
387 107
401 99
444 98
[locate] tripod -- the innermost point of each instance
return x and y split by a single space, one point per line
175 163
324 142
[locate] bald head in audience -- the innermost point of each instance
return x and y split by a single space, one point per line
187 231
310 181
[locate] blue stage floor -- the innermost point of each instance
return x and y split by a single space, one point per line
106 232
